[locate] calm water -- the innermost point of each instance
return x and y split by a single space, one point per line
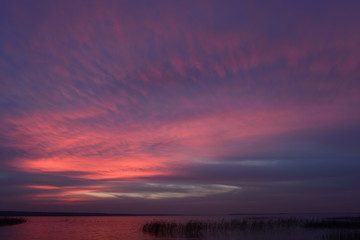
128 228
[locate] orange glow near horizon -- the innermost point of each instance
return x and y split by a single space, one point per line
123 155
102 154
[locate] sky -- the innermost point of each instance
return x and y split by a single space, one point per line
185 107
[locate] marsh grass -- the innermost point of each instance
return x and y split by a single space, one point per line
353 219
194 228
6 221
198 228
343 235
333 224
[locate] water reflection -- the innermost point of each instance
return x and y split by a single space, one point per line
130 228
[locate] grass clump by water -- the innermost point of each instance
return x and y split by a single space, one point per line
11 221
353 219
163 228
342 236
334 224
198 228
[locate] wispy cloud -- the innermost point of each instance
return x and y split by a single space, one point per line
194 94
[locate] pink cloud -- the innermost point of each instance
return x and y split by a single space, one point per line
123 95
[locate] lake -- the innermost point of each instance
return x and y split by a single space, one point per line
129 228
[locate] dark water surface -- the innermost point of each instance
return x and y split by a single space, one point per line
129 228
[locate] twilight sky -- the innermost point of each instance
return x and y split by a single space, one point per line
202 107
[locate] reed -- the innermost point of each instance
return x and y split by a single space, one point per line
333 224
11 221
342 236
354 219
197 228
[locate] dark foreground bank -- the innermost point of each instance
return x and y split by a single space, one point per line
6 221
345 228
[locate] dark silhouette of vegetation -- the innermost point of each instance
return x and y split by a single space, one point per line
354 219
338 223
342 236
11 221
198 228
